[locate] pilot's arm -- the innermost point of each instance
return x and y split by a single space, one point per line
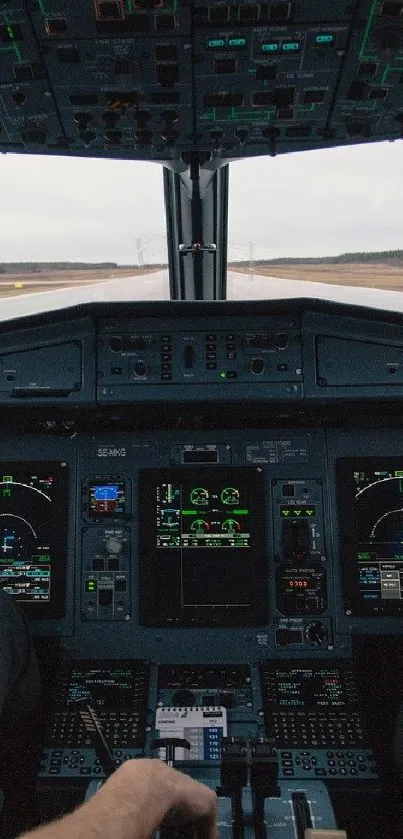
133 803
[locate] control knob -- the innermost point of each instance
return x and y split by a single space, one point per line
257 366
113 545
115 344
140 369
316 633
281 341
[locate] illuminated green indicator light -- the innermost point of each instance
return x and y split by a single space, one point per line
363 557
240 512
298 512
398 474
7 479
237 42
324 38
189 512
291 46
223 375
10 31
216 43
91 585
271 46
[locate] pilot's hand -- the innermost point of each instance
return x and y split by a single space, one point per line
134 802
159 794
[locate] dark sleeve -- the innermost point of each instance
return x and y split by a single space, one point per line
398 740
19 675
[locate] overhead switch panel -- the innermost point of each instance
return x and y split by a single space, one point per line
288 75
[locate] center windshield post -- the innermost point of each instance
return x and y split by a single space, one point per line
196 204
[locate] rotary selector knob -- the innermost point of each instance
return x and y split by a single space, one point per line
116 344
316 633
257 366
140 369
281 341
113 545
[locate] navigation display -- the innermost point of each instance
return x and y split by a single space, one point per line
202 553
33 534
371 533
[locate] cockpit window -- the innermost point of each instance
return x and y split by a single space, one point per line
317 223
313 224
75 230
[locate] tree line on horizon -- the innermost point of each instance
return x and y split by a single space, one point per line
38 267
393 256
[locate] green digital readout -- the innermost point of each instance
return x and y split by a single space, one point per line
303 512
222 43
291 46
215 43
236 42
271 46
325 38
90 585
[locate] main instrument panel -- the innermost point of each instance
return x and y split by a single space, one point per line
206 550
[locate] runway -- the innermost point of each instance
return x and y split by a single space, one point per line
156 287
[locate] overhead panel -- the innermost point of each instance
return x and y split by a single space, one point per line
161 79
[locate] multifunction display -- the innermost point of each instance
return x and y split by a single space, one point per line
311 705
33 533
308 687
202 552
371 534
118 690
105 684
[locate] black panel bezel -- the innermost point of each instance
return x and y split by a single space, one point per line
56 607
152 613
353 604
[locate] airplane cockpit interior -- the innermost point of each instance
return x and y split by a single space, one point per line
201 499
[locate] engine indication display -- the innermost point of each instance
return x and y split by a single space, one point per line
33 531
201 517
202 552
371 527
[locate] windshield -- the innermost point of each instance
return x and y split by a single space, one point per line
312 223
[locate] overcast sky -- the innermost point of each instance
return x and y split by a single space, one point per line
311 204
